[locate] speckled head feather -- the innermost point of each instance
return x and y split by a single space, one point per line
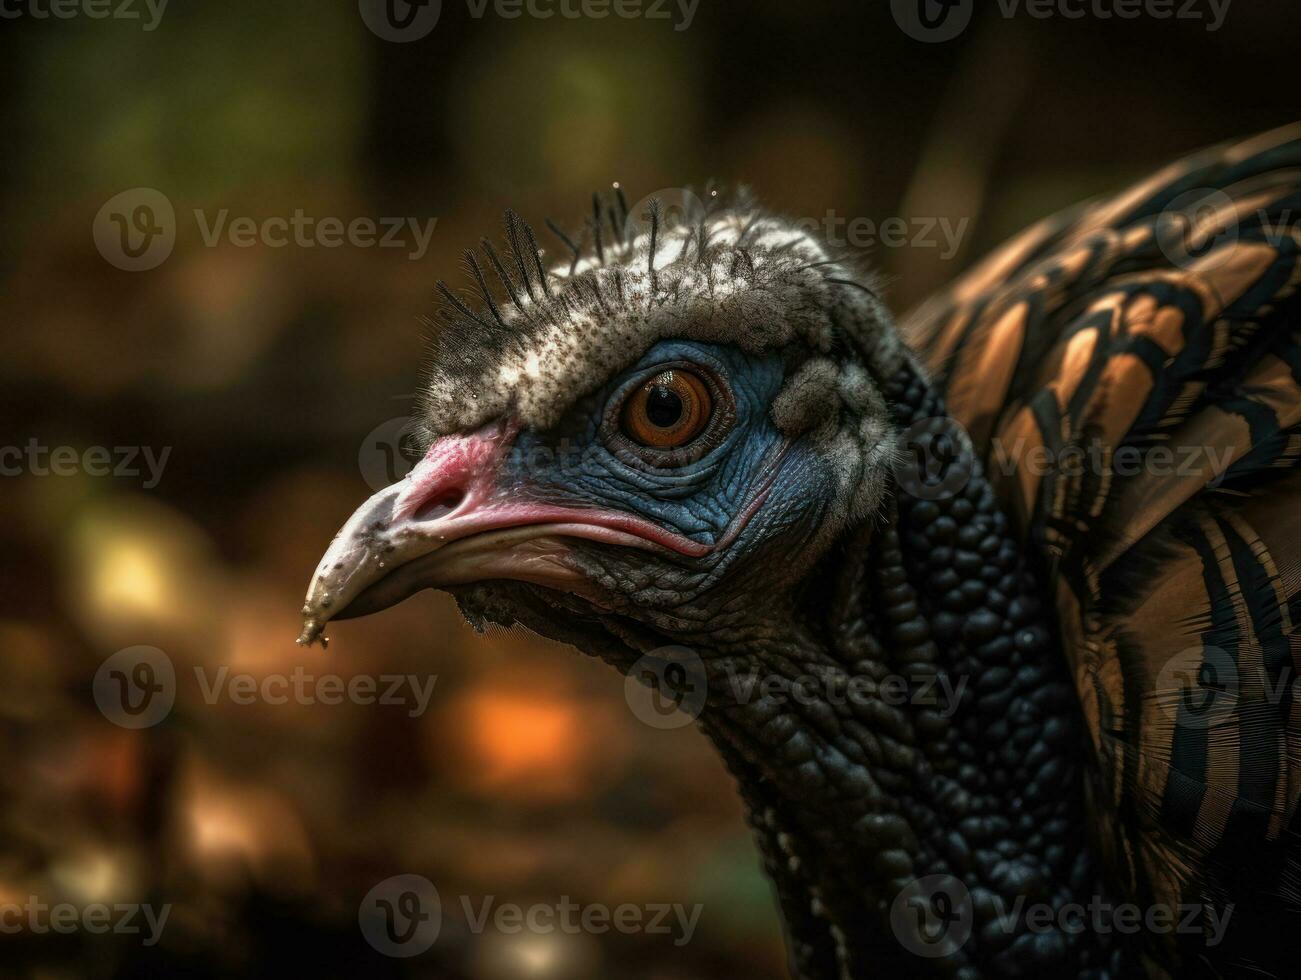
738 276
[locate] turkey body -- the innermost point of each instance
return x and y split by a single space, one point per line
1062 494
1162 325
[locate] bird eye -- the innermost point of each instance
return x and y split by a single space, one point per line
668 411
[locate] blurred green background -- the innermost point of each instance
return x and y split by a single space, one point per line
266 370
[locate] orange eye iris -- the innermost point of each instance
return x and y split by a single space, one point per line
668 411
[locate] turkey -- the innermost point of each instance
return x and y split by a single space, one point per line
1018 577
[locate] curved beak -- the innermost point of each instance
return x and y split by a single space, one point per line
451 522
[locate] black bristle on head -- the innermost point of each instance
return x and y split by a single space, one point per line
616 227
517 250
623 205
742 254
700 239
489 356
594 286
506 281
464 311
596 228
484 291
582 244
751 223
537 257
569 243
654 235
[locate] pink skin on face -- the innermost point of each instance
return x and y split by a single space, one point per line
459 473
449 523
450 496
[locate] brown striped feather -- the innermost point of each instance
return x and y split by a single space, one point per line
1080 332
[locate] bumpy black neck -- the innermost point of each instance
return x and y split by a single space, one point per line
924 789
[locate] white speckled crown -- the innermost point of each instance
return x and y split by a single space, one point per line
736 276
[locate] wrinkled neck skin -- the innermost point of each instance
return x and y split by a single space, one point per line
966 760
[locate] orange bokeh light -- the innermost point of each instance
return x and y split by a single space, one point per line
524 743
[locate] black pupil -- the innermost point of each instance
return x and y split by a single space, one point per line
663 406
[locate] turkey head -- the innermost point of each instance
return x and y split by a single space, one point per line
654 447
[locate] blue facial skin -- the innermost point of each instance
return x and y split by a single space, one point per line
572 464
755 577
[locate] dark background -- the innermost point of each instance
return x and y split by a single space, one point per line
264 369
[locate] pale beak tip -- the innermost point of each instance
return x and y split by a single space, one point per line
313 630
